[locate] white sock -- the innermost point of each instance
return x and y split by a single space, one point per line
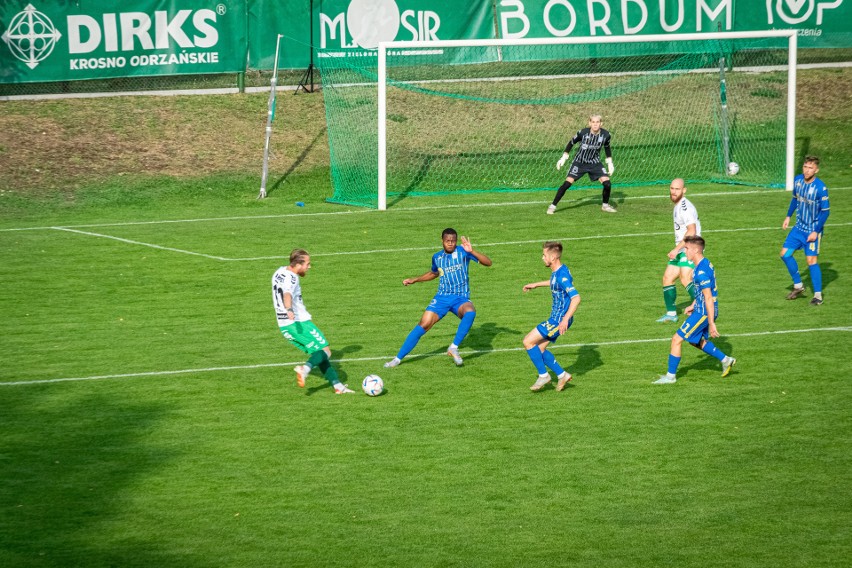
671 313
799 286
453 346
818 295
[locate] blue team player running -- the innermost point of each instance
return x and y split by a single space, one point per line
565 302
810 203
701 323
451 266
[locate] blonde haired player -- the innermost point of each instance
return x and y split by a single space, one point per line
587 160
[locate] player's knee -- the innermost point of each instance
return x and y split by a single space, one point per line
606 183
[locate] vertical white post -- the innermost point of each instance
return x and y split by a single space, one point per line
383 143
791 111
270 116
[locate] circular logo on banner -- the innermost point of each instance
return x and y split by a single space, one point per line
372 21
31 36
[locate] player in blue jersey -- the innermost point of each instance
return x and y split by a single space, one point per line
700 325
565 302
451 266
810 203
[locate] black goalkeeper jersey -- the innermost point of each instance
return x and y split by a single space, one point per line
590 146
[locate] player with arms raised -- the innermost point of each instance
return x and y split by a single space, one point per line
810 203
451 266
686 223
587 160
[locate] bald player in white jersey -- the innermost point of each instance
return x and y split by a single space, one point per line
686 224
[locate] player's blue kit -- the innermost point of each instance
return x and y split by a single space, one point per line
562 289
696 327
454 283
810 203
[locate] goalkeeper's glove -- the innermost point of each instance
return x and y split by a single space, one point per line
609 166
561 161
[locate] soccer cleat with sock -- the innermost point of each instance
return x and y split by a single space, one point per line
667 317
393 363
454 353
340 388
665 380
541 382
564 379
551 209
607 208
816 301
302 372
796 293
728 364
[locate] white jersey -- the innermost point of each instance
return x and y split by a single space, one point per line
285 280
685 214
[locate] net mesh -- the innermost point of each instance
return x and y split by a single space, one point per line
492 118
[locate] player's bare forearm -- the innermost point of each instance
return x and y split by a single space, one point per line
483 260
422 278
711 311
532 285
689 309
786 223
572 307
813 237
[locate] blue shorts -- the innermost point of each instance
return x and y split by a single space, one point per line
798 239
444 303
549 329
695 328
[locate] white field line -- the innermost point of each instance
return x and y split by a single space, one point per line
394 210
412 249
412 358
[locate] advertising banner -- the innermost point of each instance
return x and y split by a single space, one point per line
62 40
354 28
821 23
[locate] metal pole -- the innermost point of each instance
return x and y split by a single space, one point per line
270 115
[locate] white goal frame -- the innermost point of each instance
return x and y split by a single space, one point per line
385 46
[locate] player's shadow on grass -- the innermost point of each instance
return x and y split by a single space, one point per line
297 162
829 275
593 199
342 375
481 338
588 359
705 362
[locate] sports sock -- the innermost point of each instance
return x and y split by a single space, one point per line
673 364
464 326
607 189
320 359
711 349
550 360
793 269
690 288
816 277
669 297
411 341
537 359
561 191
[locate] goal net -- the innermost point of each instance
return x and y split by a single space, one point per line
447 117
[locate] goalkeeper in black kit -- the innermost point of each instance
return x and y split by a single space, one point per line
587 160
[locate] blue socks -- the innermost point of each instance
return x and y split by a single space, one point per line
673 364
411 341
550 361
537 359
464 327
793 269
711 349
816 277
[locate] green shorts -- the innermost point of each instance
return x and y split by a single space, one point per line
304 335
681 261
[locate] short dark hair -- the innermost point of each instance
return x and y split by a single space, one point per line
298 256
448 231
695 240
553 246
812 159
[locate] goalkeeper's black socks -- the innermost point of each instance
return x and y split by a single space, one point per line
607 189
560 192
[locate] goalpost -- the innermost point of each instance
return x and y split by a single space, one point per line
449 117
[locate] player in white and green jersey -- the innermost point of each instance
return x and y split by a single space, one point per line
686 223
295 323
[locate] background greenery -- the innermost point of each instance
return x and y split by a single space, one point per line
188 443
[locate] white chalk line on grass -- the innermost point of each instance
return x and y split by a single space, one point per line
412 358
389 211
413 249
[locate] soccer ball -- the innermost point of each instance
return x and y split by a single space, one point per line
373 385
733 168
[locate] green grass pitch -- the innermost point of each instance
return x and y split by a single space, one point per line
181 438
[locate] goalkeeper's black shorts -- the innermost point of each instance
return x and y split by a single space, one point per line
595 170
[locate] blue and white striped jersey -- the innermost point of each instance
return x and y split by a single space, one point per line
453 272
562 288
704 276
812 200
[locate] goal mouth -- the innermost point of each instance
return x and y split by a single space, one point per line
472 116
